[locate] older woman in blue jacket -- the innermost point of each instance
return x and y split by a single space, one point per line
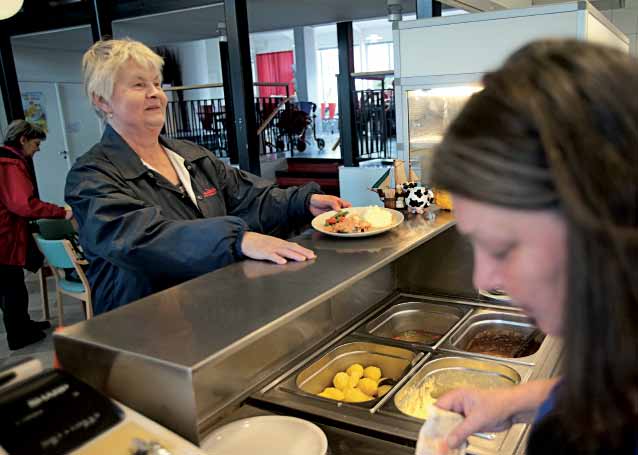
154 212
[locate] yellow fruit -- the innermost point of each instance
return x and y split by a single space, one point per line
355 370
355 396
373 373
383 390
332 393
341 380
368 386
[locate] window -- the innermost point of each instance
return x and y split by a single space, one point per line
328 69
380 56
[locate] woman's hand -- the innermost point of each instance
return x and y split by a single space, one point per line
320 203
68 215
494 410
484 410
265 247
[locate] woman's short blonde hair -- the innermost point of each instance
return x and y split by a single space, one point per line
102 62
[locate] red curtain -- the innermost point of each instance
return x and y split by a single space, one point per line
275 67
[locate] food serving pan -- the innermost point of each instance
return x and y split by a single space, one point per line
497 334
442 375
421 323
445 373
394 363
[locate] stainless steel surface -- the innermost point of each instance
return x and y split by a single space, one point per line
451 272
482 320
209 342
393 362
430 321
400 384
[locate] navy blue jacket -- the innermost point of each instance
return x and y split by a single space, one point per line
142 235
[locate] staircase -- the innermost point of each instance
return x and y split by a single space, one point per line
324 171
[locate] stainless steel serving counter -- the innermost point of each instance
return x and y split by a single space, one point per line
189 354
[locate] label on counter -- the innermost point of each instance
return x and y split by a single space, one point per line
52 414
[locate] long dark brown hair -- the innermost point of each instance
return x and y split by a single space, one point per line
556 128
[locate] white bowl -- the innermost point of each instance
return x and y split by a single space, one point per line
267 435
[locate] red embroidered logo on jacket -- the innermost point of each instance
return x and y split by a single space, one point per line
210 192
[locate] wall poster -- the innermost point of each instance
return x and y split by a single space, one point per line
33 104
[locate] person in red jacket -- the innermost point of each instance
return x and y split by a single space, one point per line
18 205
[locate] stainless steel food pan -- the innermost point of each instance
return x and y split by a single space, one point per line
490 320
393 361
428 321
448 373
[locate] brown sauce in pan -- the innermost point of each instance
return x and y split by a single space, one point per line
502 343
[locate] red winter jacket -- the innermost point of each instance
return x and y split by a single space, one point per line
18 205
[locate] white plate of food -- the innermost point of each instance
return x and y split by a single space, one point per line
357 221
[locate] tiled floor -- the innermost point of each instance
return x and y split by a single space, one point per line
42 350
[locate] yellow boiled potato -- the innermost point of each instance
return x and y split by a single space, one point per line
355 369
353 381
368 386
383 390
373 373
355 396
341 380
332 393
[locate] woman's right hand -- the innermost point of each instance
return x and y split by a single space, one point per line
494 410
484 410
266 247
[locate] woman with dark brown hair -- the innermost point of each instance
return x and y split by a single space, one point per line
543 168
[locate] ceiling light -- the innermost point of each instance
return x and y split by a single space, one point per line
9 8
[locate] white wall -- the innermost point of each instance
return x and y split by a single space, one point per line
306 64
626 19
201 64
193 57
47 65
214 66
261 43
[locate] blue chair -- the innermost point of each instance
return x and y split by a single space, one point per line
51 229
60 255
